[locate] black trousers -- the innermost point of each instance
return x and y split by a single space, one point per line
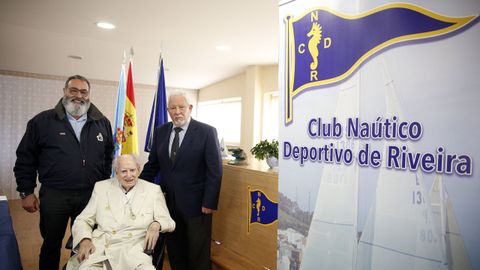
56 208
189 245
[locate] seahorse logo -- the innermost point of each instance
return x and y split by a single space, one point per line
315 35
257 205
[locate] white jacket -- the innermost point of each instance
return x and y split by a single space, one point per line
120 235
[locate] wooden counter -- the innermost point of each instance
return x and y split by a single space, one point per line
240 248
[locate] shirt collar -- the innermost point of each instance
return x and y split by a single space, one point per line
83 117
131 191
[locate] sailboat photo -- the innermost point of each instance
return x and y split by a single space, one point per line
400 232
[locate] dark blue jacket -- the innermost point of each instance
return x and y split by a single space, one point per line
194 179
50 149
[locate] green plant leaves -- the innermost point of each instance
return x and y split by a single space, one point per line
265 149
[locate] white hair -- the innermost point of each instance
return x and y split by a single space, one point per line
116 160
178 94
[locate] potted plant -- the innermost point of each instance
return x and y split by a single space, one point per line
267 150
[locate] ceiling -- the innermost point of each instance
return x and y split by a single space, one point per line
38 36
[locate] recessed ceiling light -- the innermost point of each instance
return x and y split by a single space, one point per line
76 57
105 25
223 48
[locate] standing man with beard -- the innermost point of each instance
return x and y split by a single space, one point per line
187 155
70 148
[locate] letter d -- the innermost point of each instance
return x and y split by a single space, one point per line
327 42
363 156
287 149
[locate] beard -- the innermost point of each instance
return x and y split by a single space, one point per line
179 122
75 107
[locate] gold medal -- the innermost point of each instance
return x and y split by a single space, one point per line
132 215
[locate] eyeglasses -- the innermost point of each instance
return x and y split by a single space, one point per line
75 91
173 108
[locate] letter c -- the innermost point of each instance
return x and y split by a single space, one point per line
311 131
301 48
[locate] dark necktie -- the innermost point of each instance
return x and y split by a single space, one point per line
175 144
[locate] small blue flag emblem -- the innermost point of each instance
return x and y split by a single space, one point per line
262 210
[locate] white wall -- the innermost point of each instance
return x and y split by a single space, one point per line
250 86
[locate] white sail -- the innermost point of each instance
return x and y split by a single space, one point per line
399 232
444 219
224 150
332 241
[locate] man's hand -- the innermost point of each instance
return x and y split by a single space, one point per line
86 248
206 210
153 233
31 203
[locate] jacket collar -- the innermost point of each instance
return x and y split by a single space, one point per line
93 112
116 200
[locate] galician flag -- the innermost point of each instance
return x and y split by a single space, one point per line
118 137
130 144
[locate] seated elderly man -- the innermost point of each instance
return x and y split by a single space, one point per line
129 212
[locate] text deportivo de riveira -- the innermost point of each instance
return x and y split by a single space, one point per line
399 153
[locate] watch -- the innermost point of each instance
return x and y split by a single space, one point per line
24 194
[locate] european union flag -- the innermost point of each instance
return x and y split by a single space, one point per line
325 46
262 209
158 115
